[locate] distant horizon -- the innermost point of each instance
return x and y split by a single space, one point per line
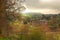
43 11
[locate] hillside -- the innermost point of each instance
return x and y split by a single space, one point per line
53 20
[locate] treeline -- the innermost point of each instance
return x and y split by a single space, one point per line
52 19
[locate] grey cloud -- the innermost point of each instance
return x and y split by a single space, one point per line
37 4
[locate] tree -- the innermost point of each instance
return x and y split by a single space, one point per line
9 10
3 22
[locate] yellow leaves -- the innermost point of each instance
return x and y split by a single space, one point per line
15 35
16 22
16 25
56 36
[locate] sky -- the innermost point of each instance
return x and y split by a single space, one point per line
43 6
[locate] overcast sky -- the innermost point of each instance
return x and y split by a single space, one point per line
43 4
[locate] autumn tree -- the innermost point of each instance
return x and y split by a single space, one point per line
9 12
